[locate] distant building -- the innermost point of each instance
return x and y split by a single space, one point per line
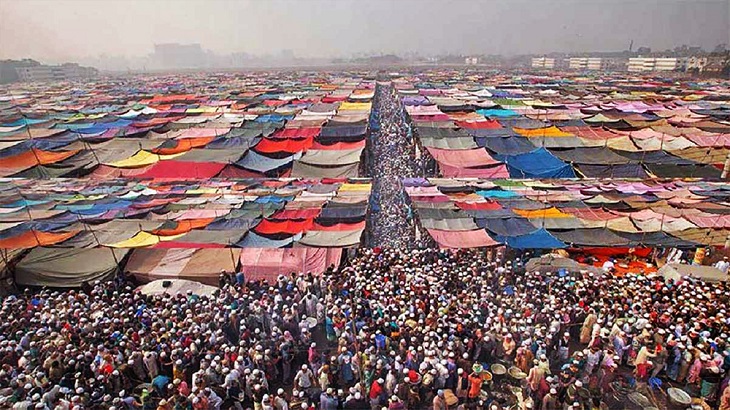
543 62
471 60
585 63
644 64
63 72
174 55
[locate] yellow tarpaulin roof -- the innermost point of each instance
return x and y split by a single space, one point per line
542 213
140 159
351 106
542 132
143 239
354 187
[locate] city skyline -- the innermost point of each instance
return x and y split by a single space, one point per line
69 30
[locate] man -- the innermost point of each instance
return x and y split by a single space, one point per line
550 401
376 391
304 378
439 402
723 265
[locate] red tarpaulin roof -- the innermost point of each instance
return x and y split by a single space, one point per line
290 146
183 169
270 227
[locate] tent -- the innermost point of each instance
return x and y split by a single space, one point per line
540 239
678 271
176 287
539 163
462 239
200 265
67 267
268 264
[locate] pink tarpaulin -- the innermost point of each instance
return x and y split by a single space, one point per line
182 169
497 171
706 220
268 263
462 239
462 158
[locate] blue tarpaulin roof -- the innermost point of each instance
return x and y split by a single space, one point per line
539 163
540 239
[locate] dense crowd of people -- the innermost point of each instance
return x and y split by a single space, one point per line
393 158
394 329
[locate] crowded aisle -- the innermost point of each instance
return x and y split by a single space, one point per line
391 217
393 329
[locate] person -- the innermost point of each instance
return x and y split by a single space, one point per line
439 402
723 265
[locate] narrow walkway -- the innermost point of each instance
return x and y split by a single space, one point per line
391 159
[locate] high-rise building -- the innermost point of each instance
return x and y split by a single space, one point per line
174 55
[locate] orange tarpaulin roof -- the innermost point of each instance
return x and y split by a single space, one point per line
182 145
283 145
31 158
31 239
184 226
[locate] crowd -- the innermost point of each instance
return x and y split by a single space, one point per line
393 158
395 329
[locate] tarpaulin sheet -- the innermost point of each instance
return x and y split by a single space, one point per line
338 145
456 143
270 227
684 171
140 159
297 133
182 145
506 145
183 169
223 156
201 265
657 239
612 171
537 164
252 240
462 239
300 170
495 171
240 224
290 145
268 264
343 131
506 226
32 238
540 239
242 143
198 238
67 268
552 131
329 239
591 237
488 124
590 155
341 226
431 132
343 212
462 158
260 163
455 224
331 157
13 164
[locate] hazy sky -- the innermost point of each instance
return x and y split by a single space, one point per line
54 30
